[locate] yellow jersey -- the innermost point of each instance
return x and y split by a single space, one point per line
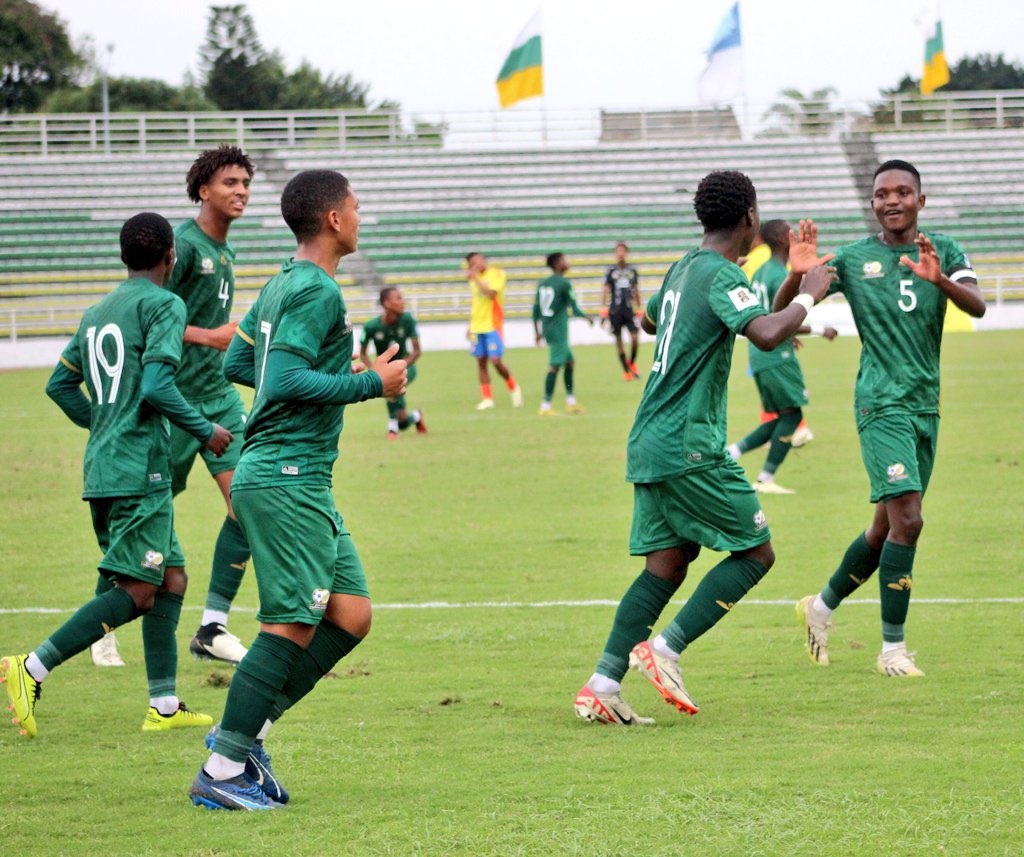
486 314
755 259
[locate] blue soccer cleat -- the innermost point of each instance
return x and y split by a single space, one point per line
257 769
236 793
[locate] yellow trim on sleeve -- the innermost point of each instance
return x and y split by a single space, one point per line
70 365
244 335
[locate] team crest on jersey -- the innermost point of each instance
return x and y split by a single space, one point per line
760 521
742 298
896 472
320 598
873 270
153 560
223 260
207 266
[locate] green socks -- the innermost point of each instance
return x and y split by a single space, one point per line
782 439
638 611
568 378
103 584
230 555
714 596
859 563
160 643
549 384
328 646
895 578
91 621
759 436
257 683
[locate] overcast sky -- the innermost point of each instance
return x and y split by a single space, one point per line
445 54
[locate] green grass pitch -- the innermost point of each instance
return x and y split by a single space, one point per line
450 731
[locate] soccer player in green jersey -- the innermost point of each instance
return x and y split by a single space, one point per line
688 492
777 373
551 305
897 283
398 327
126 350
294 346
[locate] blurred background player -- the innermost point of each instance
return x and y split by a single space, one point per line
398 327
687 491
554 299
897 284
620 304
777 373
126 350
486 320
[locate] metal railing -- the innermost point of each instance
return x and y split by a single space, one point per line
342 130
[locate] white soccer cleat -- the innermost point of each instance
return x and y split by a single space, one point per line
485 405
607 708
517 397
898 663
214 642
816 642
802 436
664 674
104 652
772 487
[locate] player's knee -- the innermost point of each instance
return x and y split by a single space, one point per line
175 580
764 555
142 595
907 526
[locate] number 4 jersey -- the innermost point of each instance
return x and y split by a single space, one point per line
127 454
899 320
704 301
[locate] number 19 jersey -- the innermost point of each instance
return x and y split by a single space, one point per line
899 320
128 451
680 424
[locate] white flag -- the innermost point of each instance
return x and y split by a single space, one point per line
722 79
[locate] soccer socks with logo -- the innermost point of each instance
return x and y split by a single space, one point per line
758 437
782 439
638 611
328 646
256 685
91 621
160 644
895 578
568 378
714 596
230 555
859 563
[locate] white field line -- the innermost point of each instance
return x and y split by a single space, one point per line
600 602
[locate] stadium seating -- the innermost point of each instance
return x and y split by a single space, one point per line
423 210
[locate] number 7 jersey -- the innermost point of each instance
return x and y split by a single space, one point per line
899 320
128 451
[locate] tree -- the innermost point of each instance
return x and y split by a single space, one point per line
36 56
238 74
801 115
307 88
128 95
970 74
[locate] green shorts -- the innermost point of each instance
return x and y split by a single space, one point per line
228 411
559 352
397 404
136 535
781 387
301 551
715 507
899 453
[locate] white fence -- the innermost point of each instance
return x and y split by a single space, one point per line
135 133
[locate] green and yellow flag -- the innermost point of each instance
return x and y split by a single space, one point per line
936 72
522 75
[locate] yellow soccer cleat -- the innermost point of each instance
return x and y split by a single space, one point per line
23 692
816 642
575 410
664 675
157 722
609 709
547 412
771 487
898 663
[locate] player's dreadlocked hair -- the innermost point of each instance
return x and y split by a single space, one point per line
775 233
308 197
203 168
897 164
723 199
145 238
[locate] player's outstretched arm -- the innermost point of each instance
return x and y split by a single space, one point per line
413 355
211 337
803 255
289 377
240 362
65 388
160 391
963 293
770 331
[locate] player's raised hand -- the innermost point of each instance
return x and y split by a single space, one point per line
220 440
803 248
817 280
392 373
930 266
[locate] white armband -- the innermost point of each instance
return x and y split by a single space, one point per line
806 301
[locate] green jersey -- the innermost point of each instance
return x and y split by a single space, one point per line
551 306
703 303
765 284
899 320
383 335
128 451
204 278
300 310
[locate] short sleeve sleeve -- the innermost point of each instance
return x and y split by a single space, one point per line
182 269
411 326
839 263
652 308
247 326
71 356
164 329
733 301
955 263
496 280
305 321
364 335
